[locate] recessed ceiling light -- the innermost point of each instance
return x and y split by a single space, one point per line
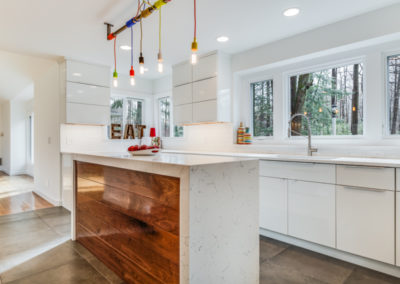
125 47
222 39
291 12
77 74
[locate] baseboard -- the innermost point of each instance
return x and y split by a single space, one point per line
358 260
48 199
19 172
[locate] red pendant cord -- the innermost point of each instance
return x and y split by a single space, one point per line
195 20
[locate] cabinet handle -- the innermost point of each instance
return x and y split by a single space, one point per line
364 188
365 167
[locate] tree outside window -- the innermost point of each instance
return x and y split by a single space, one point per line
393 89
126 110
164 106
262 93
331 98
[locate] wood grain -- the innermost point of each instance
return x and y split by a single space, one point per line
132 219
163 189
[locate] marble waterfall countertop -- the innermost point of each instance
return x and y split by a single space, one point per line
180 159
356 161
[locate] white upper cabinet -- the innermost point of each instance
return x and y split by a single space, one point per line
205 111
183 94
206 85
183 114
205 90
206 67
87 94
88 74
182 74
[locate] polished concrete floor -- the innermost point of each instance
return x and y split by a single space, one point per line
35 249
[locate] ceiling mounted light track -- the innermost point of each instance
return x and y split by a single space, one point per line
144 14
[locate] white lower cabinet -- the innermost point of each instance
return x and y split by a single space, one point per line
365 222
273 204
398 226
311 212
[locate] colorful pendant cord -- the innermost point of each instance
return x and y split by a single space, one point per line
159 56
141 58
115 58
115 74
194 43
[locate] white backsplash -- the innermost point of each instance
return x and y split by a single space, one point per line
219 138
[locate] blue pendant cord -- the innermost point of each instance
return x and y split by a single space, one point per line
131 46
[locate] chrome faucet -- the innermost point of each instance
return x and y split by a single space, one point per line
310 149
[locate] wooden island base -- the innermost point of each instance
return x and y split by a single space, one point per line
130 221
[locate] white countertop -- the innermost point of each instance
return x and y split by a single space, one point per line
374 162
180 159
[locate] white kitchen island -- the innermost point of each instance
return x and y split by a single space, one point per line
218 215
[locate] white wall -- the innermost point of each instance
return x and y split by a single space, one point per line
19 131
47 132
5 112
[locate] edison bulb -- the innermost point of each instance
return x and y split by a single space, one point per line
141 69
194 58
115 82
132 81
160 67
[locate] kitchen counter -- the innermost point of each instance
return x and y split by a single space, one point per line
169 218
373 162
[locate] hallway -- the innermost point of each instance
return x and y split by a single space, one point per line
16 195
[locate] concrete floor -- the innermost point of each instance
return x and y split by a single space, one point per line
35 248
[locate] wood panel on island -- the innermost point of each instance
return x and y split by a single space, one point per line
130 221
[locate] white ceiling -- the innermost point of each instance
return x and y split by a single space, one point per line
74 28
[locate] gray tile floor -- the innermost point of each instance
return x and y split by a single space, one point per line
283 263
35 248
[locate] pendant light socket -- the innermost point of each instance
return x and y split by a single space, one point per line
132 72
141 59
194 45
159 56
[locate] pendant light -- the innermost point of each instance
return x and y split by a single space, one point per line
141 58
115 74
159 56
194 43
132 72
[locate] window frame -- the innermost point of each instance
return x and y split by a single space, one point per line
316 68
251 95
386 112
125 106
171 127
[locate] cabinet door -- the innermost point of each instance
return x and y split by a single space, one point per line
273 204
87 94
88 114
205 90
365 222
88 74
397 229
183 114
182 74
205 111
205 68
182 94
311 212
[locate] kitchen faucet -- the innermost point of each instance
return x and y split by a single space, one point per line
310 149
